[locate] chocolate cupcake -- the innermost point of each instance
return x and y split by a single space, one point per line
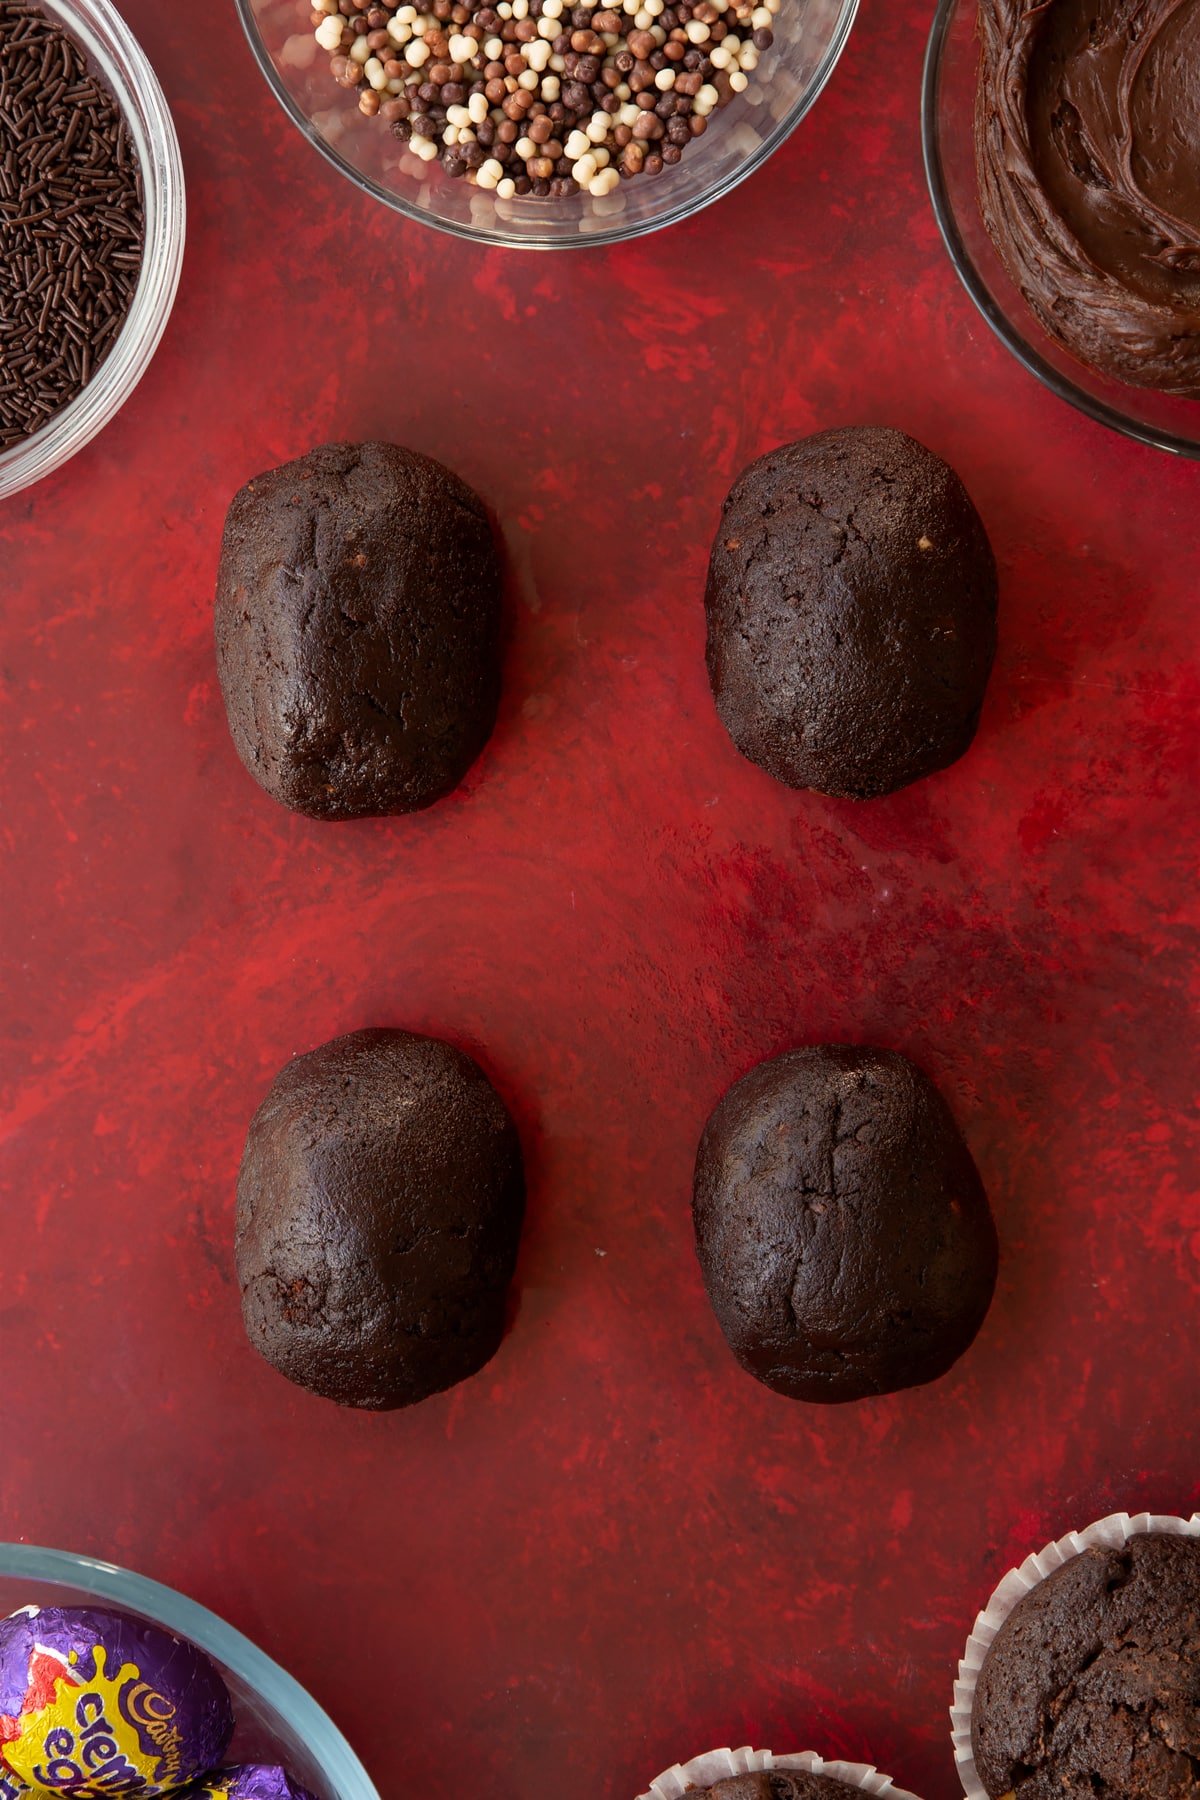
759 1775
1081 1680
778 1784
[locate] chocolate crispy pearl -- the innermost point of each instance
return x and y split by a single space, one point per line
780 1784
379 1212
1091 1689
842 1229
358 630
851 610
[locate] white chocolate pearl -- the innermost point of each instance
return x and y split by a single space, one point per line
494 49
558 63
708 95
603 183
490 173
477 109
719 58
547 28
749 58
697 31
552 9
360 50
416 54
425 148
462 49
506 189
551 87
583 170
664 81
329 32
529 81
598 127
642 19
577 145
629 114
520 9
739 82
525 148
373 70
602 158
537 54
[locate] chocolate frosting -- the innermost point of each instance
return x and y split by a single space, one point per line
1087 144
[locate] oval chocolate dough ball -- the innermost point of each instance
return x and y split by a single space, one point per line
842 1228
379 1212
358 630
851 607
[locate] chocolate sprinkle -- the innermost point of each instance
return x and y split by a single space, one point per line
72 223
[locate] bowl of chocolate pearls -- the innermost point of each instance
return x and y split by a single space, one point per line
92 209
542 124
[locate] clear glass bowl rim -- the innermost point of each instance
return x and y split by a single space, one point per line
965 268
187 1618
114 49
616 234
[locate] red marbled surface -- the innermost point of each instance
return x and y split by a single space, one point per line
612 1548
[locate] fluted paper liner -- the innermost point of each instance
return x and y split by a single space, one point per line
1108 1534
718 1765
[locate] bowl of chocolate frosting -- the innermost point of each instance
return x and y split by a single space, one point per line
1062 149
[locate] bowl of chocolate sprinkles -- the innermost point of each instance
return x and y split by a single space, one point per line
92 220
547 124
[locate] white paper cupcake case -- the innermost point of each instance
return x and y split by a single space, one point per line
718 1765
1108 1534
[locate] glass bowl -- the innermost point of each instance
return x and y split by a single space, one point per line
810 35
115 52
277 1721
948 134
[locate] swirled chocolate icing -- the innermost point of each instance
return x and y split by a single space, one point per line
1087 144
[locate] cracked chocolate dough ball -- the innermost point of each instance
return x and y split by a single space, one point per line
379 1211
1091 1689
780 1784
842 1228
358 630
851 610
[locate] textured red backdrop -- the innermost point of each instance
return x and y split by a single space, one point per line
612 1548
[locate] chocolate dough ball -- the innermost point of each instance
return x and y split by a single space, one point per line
358 630
1091 1689
843 1231
379 1212
780 1784
851 610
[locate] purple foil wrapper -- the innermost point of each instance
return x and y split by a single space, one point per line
251 1781
96 1702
